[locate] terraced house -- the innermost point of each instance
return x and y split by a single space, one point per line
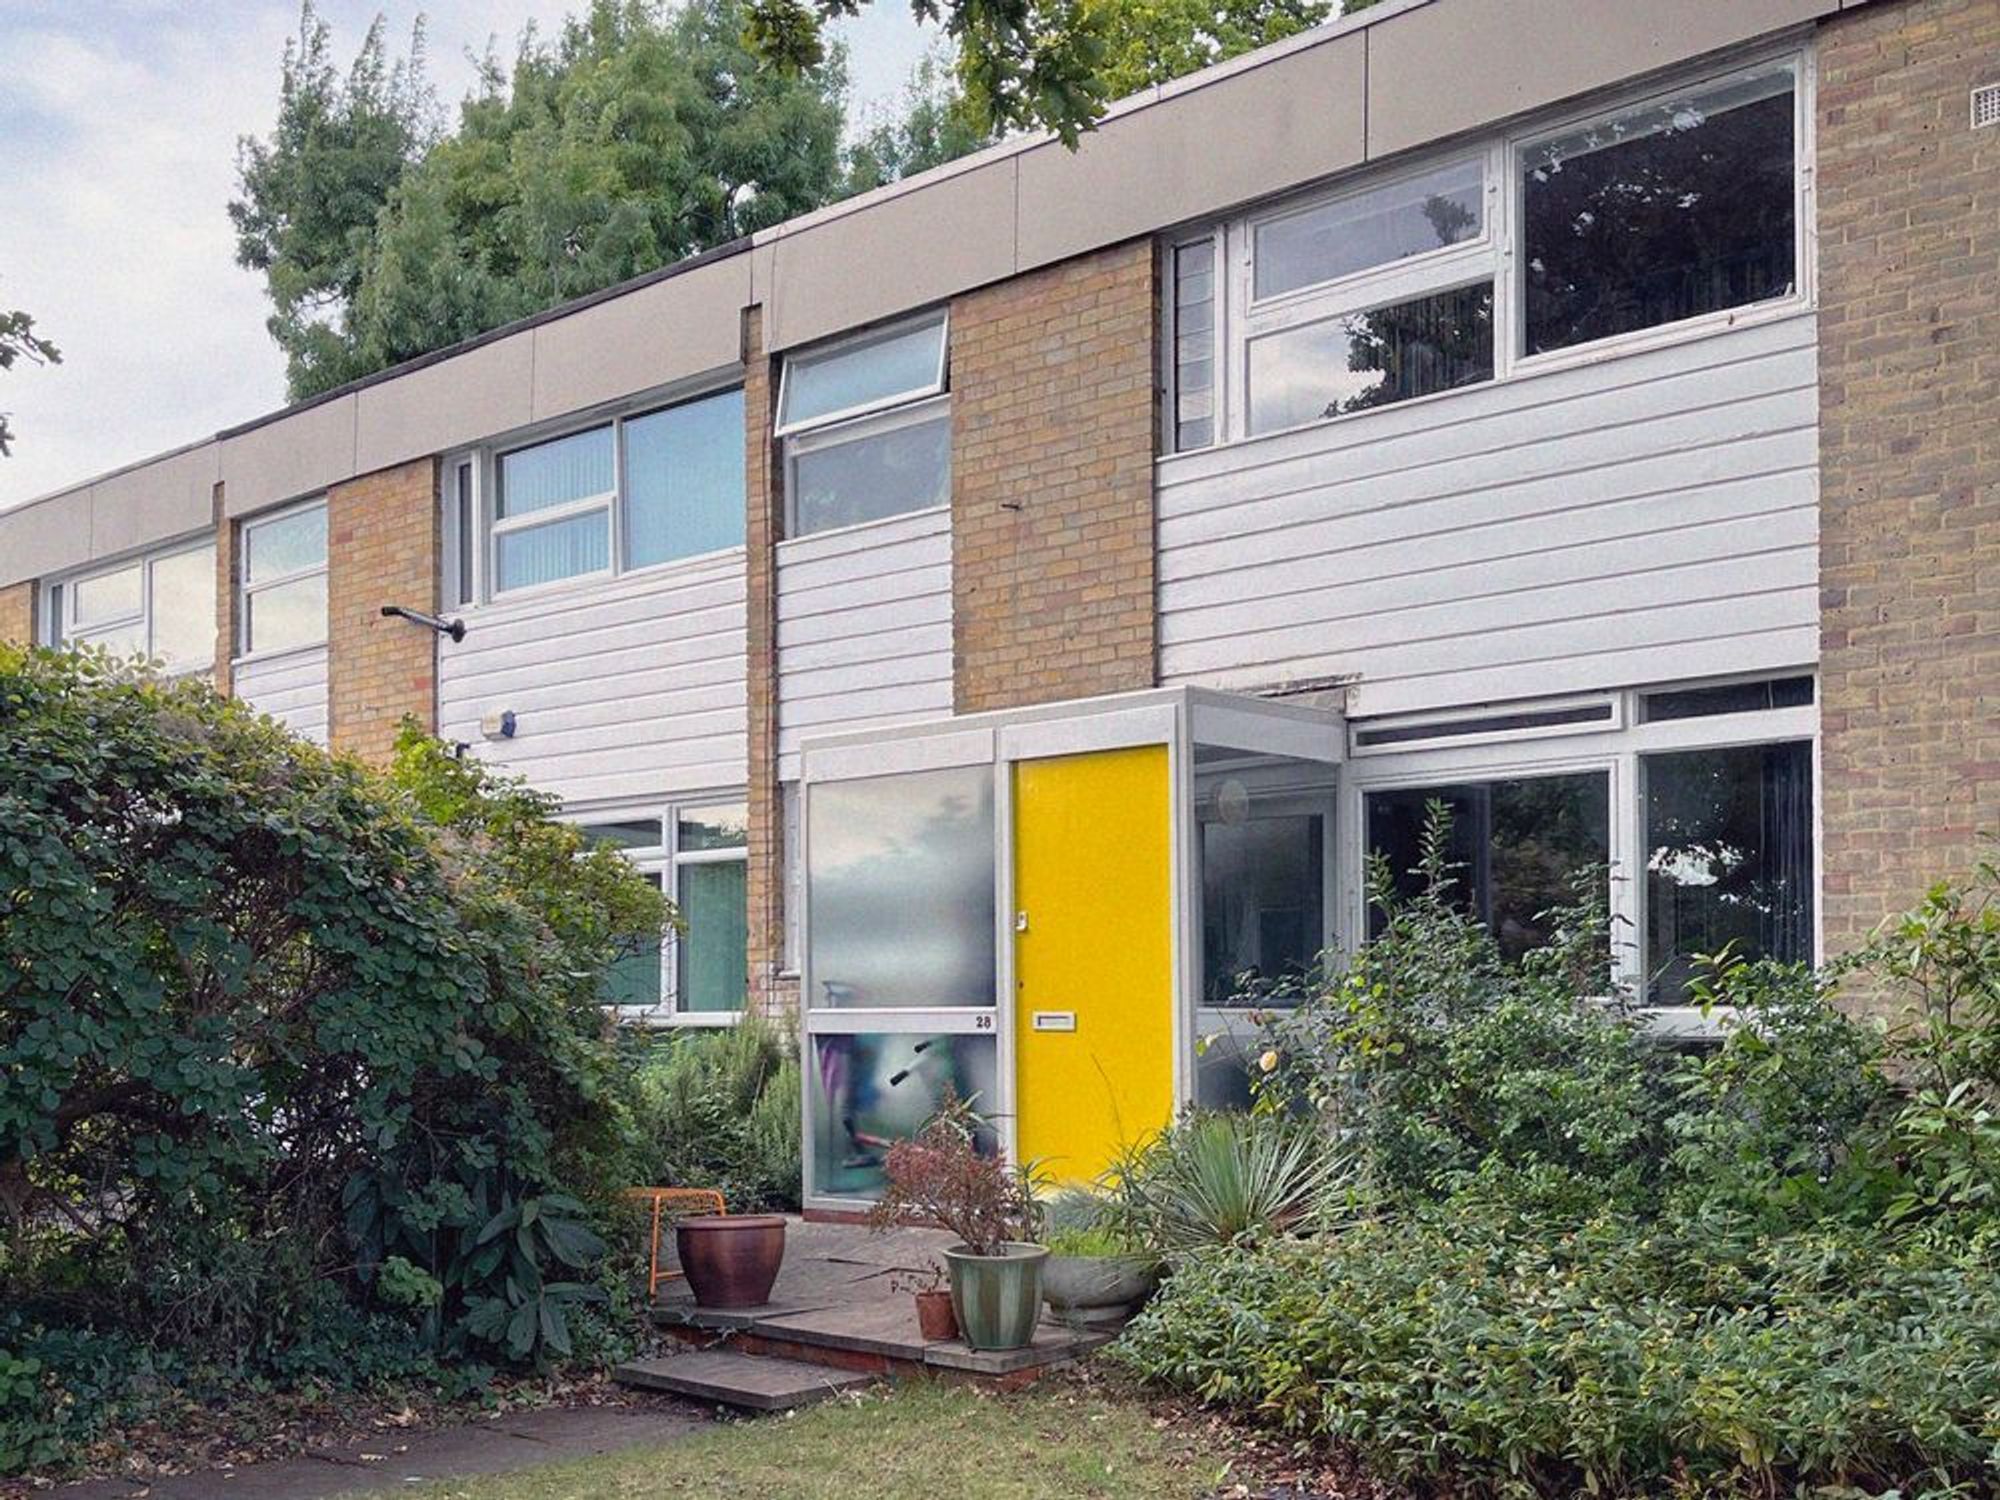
1006 610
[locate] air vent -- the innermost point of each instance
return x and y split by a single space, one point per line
1986 105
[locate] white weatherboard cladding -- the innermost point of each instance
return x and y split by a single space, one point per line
290 686
1650 517
864 629
621 690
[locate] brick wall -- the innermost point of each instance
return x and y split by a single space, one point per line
382 548
17 613
1909 234
763 482
1052 483
227 536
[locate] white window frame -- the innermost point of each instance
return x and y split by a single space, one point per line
1497 253
1621 754
665 859
246 590
481 468
854 343
62 624
818 439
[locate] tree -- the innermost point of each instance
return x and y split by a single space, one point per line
18 340
639 136
932 125
1154 41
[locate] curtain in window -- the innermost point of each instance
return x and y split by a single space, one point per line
561 549
684 480
554 473
714 972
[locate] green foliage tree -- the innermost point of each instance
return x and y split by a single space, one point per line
932 124
638 136
1154 41
18 341
268 1019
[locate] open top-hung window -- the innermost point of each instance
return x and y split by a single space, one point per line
161 606
284 580
867 427
633 492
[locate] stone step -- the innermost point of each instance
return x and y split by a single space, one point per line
728 1377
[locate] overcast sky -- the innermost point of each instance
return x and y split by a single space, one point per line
118 128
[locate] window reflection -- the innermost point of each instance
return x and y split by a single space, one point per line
900 890
1679 208
1516 843
868 1092
1262 904
1729 859
1440 207
875 474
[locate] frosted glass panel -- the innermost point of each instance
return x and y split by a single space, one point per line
184 609
555 473
285 545
288 614
900 891
561 549
901 364
869 1092
684 480
108 596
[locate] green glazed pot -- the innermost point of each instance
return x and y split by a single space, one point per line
997 1297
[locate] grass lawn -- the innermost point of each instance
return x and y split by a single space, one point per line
909 1442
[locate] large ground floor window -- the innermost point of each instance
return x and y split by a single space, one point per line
698 854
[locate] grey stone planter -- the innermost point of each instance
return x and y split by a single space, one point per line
1091 1289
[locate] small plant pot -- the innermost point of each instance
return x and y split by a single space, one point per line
935 1319
1093 1289
998 1298
731 1260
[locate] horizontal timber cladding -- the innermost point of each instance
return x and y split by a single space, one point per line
864 628
1642 519
620 689
290 686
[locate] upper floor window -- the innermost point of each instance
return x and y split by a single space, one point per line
160 606
867 427
627 493
1677 208
284 580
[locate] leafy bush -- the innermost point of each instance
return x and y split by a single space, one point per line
1594 1263
941 1176
268 1018
720 1109
1228 1179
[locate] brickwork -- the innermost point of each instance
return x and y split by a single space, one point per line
770 992
17 613
382 548
1052 483
1909 235
227 594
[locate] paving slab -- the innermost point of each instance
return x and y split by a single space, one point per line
749 1382
395 1460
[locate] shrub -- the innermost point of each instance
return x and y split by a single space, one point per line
720 1109
941 1176
1226 1179
268 1018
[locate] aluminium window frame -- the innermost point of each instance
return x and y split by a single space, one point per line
665 859
58 597
857 429
245 589
938 385
470 562
1234 239
1622 753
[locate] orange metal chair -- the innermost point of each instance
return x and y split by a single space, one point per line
680 1201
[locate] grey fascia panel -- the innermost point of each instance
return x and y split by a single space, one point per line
294 456
1247 134
902 251
659 335
155 502
46 536
1443 69
459 400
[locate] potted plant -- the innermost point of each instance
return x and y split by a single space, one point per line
935 1319
1101 1264
940 1176
731 1260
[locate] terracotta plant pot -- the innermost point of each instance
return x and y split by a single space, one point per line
731 1260
998 1298
935 1319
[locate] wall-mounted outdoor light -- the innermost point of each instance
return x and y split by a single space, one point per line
453 628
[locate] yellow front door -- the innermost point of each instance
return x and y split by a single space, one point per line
1093 956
